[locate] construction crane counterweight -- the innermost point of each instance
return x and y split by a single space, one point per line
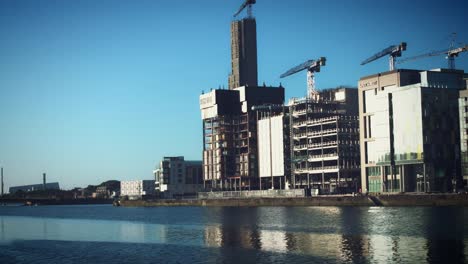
393 52
247 4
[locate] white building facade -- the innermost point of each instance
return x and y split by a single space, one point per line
137 188
272 151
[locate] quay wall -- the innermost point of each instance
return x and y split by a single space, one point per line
424 200
371 200
246 202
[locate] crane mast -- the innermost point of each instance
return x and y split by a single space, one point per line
312 66
451 54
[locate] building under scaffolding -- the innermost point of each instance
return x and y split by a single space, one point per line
325 154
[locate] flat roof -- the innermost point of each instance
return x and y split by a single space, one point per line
388 73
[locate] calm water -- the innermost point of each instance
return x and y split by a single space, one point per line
106 234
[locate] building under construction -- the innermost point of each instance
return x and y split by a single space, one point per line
230 153
325 141
243 53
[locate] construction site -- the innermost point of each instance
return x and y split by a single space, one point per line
325 142
253 140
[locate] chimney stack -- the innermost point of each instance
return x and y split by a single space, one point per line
43 181
2 180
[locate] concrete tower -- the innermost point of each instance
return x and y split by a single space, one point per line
243 53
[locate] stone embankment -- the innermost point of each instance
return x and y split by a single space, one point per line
423 199
370 200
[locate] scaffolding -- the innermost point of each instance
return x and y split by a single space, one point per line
325 152
229 155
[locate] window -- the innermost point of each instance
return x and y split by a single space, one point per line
365 127
364 102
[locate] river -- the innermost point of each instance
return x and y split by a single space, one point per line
106 234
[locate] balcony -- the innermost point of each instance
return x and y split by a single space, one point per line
300 147
322 120
326 169
322 145
300 124
300 135
322 133
299 112
332 156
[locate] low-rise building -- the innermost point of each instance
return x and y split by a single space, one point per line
178 177
35 187
137 188
102 192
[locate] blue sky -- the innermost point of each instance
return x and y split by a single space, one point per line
98 90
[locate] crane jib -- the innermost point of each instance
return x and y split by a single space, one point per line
247 3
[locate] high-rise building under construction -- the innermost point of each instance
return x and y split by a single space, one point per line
230 151
243 53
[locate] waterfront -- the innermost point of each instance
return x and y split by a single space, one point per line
106 234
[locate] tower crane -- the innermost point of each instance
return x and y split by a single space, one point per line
312 66
393 52
248 4
451 54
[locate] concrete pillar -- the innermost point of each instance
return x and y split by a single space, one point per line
402 178
382 179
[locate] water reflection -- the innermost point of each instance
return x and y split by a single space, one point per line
354 245
2 229
354 236
445 242
26 228
345 235
238 229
